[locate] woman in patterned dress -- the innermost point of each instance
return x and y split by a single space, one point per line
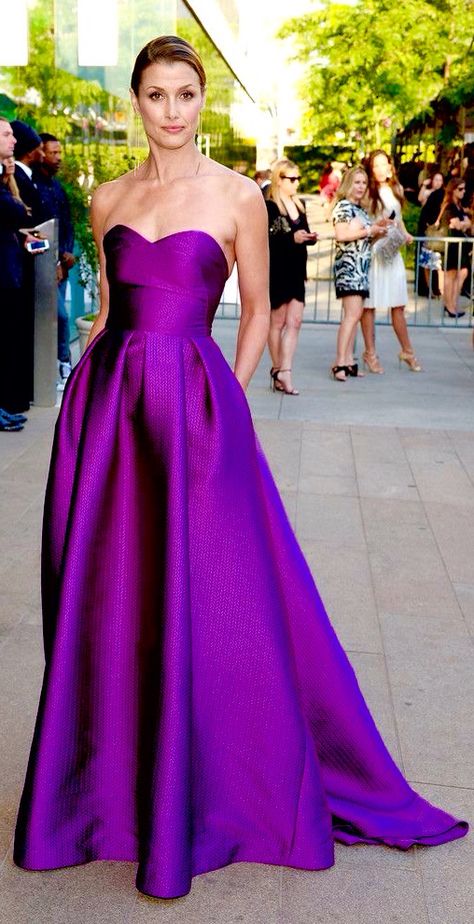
354 232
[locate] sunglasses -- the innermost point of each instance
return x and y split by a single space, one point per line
460 188
292 179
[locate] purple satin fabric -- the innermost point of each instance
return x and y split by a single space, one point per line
197 707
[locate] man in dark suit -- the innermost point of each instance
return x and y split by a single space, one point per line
14 386
55 204
28 152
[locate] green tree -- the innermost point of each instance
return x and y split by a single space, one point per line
373 66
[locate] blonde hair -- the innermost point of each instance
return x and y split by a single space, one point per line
347 182
11 183
279 169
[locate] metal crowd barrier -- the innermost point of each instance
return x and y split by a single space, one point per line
322 307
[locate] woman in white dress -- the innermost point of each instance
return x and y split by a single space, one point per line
387 279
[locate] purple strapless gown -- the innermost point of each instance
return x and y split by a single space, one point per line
197 708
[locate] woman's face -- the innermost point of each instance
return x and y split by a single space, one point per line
458 193
381 168
438 181
288 182
358 188
169 101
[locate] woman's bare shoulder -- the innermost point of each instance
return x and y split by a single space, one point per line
107 194
232 181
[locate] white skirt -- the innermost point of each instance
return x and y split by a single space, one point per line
387 283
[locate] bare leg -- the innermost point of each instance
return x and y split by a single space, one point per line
352 308
407 353
277 324
460 280
289 340
367 323
400 327
449 290
370 357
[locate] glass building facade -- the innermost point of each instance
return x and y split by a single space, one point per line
71 78
81 53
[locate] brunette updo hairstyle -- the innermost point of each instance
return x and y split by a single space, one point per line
167 48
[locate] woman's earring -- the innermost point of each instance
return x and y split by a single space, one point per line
136 140
199 133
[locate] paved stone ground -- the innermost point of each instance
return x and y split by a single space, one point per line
378 478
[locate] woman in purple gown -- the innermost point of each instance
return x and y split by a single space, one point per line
197 708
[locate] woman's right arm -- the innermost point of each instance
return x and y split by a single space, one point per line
13 214
100 209
354 230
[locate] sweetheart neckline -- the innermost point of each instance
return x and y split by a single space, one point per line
166 237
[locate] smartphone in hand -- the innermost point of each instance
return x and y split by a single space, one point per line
37 246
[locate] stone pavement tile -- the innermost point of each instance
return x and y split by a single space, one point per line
20 574
442 479
15 499
408 570
32 465
465 452
282 448
241 892
432 683
427 598
21 668
387 520
465 597
447 870
453 527
262 404
377 444
386 479
418 438
325 453
96 893
371 673
16 609
329 485
334 520
375 857
341 895
344 582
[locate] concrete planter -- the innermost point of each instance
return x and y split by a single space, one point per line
83 327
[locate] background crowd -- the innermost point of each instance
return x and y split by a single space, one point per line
30 194
364 203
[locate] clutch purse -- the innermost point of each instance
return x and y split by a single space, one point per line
386 248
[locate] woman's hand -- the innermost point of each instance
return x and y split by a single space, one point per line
378 229
409 238
304 237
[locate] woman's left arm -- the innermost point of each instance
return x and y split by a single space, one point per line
251 252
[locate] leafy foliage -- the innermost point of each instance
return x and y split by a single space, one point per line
373 66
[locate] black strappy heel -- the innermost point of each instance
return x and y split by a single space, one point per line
278 385
344 369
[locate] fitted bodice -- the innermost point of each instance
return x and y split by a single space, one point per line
169 286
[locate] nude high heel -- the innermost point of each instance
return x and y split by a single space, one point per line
372 363
408 357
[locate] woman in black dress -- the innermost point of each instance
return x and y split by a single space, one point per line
289 235
458 255
14 390
429 263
